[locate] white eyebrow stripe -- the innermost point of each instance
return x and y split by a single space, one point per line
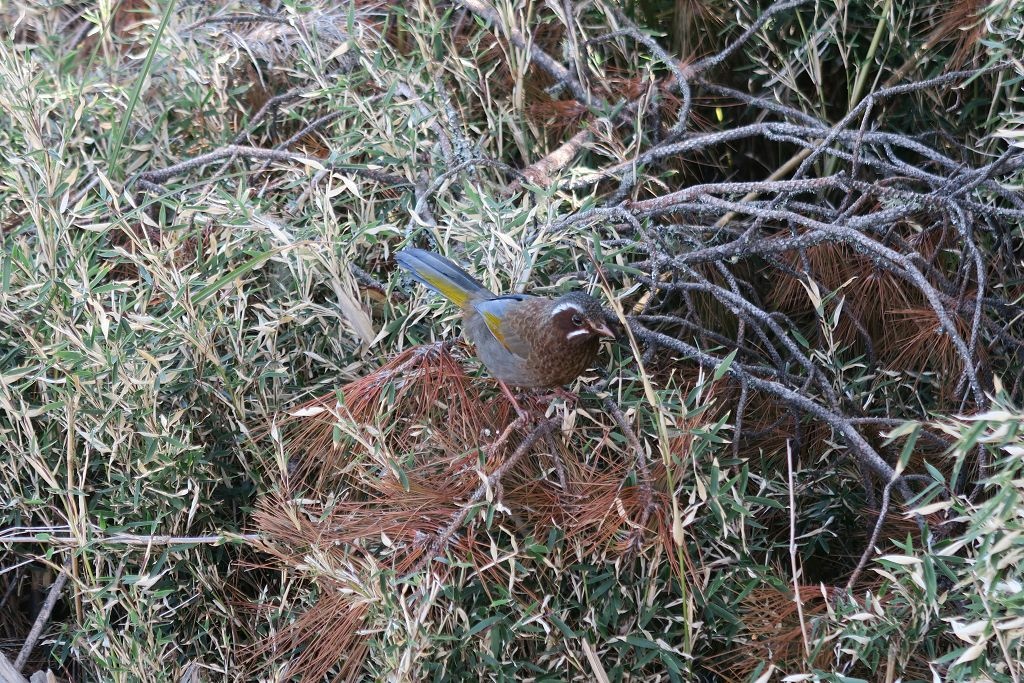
565 306
576 333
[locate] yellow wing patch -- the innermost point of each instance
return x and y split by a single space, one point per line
450 291
494 325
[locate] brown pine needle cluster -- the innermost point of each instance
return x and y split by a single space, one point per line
417 466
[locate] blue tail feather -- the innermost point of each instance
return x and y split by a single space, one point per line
441 275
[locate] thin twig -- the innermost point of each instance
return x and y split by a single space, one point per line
861 448
44 536
875 533
442 538
536 55
228 151
237 19
43 617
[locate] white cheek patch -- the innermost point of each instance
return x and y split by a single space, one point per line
565 306
577 333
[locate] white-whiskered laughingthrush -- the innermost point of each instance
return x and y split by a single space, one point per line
525 341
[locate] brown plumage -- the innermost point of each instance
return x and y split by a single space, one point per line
525 341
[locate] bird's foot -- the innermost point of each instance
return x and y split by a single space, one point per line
570 398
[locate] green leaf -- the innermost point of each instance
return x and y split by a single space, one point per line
486 623
562 626
113 160
723 367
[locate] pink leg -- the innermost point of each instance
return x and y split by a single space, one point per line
512 399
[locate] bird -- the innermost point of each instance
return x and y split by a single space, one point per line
530 342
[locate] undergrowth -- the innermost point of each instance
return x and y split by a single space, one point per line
237 444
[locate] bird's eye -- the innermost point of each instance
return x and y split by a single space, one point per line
577 321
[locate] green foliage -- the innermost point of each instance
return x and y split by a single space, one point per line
955 603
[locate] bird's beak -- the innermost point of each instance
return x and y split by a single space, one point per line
602 329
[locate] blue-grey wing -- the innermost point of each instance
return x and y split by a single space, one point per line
494 313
